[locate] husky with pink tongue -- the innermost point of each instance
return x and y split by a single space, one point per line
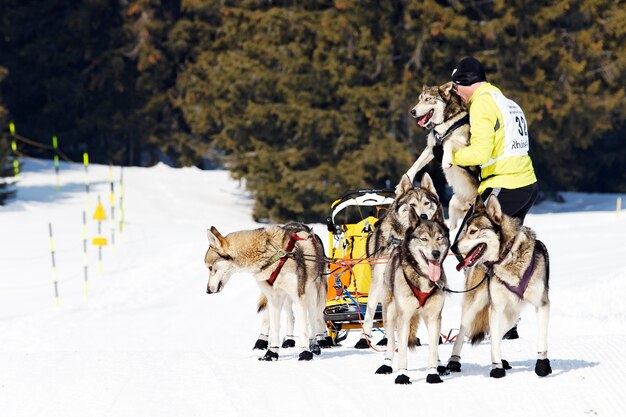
413 286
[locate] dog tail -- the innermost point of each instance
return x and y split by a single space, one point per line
415 320
479 328
262 303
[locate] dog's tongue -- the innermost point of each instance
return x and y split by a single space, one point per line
434 270
469 258
423 120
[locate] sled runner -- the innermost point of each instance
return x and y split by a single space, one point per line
352 218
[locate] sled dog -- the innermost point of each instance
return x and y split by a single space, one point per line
517 268
442 111
413 286
286 263
389 232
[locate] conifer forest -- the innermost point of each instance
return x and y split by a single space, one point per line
306 99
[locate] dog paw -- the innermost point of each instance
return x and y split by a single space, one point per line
443 370
497 373
383 342
305 356
384 370
315 348
454 366
403 379
269 356
542 367
260 344
362 344
505 365
289 343
434 378
325 343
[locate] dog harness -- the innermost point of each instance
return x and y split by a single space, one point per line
439 137
281 256
520 288
523 284
420 295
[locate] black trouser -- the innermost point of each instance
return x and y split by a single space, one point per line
514 202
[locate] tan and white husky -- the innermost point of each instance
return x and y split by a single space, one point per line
260 252
413 286
511 268
443 112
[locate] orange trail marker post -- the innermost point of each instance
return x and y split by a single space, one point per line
99 240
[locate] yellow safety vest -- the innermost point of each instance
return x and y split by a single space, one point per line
498 141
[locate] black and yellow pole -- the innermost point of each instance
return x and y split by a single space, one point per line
85 258
16 163
86 164
122 201
112 202
55 278
55 146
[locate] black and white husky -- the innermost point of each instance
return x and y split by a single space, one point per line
413 286
389 232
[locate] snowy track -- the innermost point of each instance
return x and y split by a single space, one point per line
150 342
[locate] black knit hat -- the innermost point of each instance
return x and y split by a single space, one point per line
468 71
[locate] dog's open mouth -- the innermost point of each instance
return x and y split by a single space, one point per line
472 256
423 120
434 269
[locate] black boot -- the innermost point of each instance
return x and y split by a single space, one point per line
511 334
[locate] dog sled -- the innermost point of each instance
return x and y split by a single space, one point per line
352 218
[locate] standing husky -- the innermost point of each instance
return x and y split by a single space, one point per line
443 112
389 232
517 269
413 281
286 261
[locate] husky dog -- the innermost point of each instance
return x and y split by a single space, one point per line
389 232
414 280
517 268
443 112
286 262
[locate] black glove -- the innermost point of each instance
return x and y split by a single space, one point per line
438 153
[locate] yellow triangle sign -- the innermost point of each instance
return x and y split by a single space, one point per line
99 214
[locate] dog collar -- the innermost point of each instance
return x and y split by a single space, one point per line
439 137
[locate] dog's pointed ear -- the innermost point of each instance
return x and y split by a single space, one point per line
404 186
217 240
424 87
494 210
445 90
427 184
478 204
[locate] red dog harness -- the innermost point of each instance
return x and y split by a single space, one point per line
421 296
283 259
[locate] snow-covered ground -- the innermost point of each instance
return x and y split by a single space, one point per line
149 341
